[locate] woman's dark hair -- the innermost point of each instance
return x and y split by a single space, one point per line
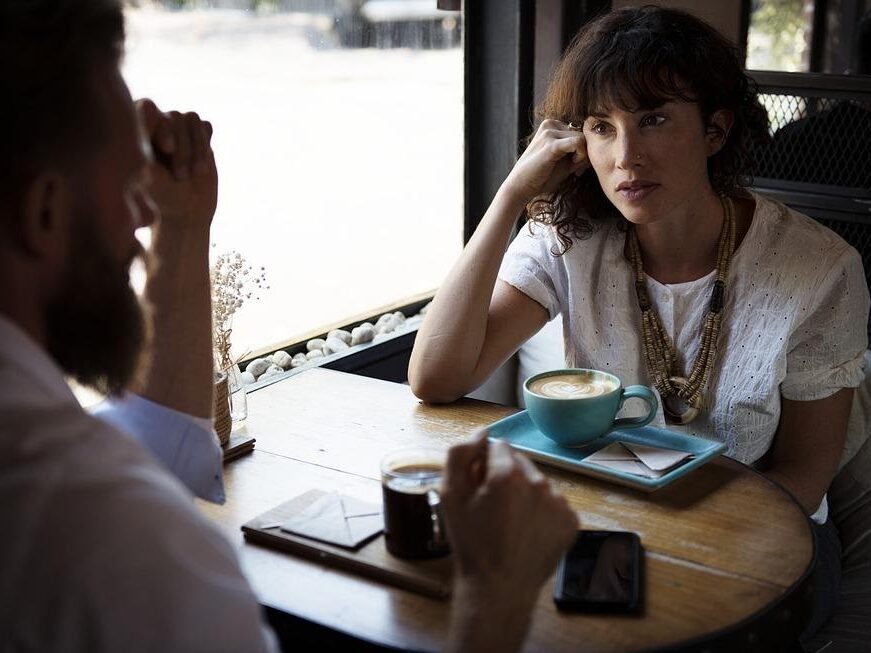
638 59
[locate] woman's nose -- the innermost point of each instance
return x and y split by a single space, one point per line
628 153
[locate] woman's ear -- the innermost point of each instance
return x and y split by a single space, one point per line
717 130
46 211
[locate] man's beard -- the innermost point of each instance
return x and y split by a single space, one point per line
95 324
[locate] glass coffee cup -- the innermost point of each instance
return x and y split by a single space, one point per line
411 480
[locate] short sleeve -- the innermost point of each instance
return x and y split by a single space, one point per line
530 266
826 349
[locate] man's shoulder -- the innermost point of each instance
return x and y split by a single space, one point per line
95 529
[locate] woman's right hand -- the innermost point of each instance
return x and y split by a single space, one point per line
555 152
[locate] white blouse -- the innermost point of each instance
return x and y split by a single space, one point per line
794 322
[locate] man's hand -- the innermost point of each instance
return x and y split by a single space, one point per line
184 178
184 185
507 529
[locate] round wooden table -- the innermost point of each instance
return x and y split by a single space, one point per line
727 553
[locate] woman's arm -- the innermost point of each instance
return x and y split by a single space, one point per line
473 324
808 446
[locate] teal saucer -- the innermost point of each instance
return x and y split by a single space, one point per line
519 431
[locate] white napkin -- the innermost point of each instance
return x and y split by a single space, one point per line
337 519
638 459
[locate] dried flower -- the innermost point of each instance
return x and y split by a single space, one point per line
233 283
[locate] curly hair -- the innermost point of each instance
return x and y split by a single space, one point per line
639 59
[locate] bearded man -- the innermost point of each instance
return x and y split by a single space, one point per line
102 549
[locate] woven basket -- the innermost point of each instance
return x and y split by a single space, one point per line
223 421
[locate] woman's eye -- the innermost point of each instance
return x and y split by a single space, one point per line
599 128
652 120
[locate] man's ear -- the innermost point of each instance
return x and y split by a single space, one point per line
717 130
46 211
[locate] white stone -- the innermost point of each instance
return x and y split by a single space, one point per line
247 378
315 353
257 367
282 359
315 343
333 345
341 334
362 333
389 325
298 362
300 357
383 319
400 316
272 370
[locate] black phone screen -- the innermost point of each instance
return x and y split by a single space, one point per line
600 572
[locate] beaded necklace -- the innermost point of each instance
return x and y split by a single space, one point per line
659 351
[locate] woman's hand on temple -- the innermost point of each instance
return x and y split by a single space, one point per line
555 152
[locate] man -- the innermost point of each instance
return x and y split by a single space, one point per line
102 549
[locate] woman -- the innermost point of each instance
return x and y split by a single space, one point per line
748 318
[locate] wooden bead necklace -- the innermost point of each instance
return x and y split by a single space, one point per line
659 351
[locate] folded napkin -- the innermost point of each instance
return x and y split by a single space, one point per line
336 519
638 459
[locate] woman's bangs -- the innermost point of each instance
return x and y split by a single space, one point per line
631 84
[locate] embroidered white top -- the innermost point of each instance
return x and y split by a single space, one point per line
794 322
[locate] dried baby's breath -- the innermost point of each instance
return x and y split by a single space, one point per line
234 283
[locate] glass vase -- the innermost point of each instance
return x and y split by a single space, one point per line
238 397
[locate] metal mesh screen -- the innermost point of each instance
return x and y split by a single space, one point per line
817 140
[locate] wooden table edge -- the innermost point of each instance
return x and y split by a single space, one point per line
798 592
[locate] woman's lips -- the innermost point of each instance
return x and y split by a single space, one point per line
637 192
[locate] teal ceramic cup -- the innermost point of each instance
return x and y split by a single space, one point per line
574 406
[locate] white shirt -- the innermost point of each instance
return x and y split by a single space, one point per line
794 322
102 550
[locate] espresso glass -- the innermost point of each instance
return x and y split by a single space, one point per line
411 480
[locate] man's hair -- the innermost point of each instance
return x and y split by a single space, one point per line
49 51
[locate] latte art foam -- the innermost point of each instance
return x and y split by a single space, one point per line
572 386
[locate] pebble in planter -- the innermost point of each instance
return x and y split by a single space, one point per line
315 344
363 333
298 359
257 367
334 345
247 378
314 353
282 359
272 370
341 334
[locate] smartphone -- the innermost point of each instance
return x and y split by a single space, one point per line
601 572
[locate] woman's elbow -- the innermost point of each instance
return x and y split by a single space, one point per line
431 389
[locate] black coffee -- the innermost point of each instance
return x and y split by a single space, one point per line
411 525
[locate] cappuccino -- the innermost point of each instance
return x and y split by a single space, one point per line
573 386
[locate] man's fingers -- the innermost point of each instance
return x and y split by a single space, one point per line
464 465
199 144
531 471
500 459
181 160
156 126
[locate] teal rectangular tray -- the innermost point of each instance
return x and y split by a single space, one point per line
519 431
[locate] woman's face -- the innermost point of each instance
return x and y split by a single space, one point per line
652 164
